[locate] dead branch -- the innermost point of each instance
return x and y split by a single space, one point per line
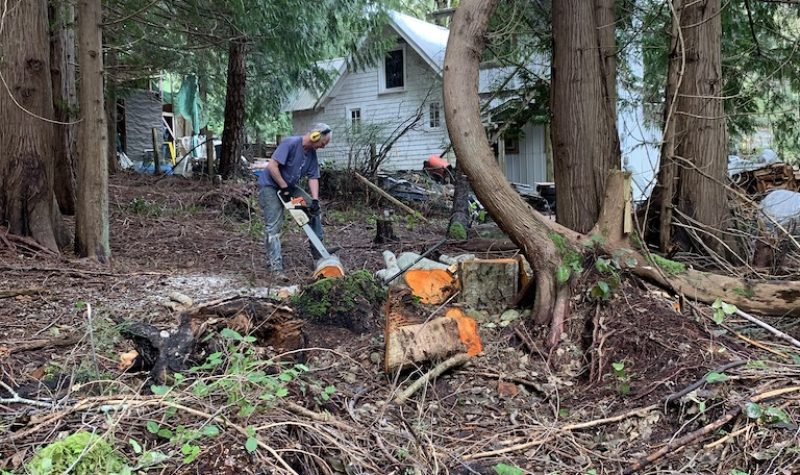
17 399
391 198
683 392
675 444
768 327
445 365
67 340
4 294
640 412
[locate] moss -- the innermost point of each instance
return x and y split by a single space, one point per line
338 295
85 453
457 231
746 292
668 266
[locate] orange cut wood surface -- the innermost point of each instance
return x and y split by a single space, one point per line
432 286
467 331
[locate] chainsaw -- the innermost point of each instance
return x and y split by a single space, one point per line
328 265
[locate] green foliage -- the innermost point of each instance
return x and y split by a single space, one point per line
81 453
571 260
668 266
714 377
622 377
722 311
767 415
146 208
457 231
503 469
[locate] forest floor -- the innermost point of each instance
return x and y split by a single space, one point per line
329 408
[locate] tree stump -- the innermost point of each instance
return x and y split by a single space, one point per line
383 231
489 284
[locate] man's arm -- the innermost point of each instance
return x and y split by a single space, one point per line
313 187
275 172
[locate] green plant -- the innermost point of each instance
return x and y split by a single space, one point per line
146 208
457 231
82 453
668 266
571 260
722 310
768 414
503 469
622 377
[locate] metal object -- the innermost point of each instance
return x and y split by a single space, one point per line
327 265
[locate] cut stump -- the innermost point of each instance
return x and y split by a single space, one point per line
489 284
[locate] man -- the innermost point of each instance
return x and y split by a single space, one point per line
294 158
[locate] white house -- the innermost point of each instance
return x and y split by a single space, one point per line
384 98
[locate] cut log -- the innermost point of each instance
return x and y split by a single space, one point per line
410 341
432 286
489 284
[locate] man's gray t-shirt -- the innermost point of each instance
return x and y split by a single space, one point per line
294 162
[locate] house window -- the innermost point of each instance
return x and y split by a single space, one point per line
435 116
393 75
355 120
511 145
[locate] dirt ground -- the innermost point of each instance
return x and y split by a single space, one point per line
598 406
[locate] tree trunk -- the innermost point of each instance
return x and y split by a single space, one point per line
233 132
606 18
692 176
462 112
459 216
111 110
65 103
91 220
27 202
585 142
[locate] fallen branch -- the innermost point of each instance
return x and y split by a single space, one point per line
4 294
391 198
683 392
67 340
674 444
445 365
17 399
768 327
560 430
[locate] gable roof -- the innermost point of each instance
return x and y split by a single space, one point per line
429 41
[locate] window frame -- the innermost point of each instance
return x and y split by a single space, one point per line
430 124
382 89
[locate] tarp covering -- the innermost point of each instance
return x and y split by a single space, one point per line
187 103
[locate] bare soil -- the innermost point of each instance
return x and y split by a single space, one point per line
515 407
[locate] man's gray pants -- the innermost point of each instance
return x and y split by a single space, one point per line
274 216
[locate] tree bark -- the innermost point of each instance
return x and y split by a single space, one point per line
585 142
692 176
233 132
27 202
606 18
459 216
91 220
65 102
111 110
462 111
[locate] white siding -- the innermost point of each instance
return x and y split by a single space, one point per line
359 89
530 165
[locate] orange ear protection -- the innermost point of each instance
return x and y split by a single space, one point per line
316 135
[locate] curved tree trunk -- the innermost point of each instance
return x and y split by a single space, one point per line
65 103
462 111
693 171
91 215
27 202
585 141
233 132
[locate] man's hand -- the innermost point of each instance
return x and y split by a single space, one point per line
286 193
314 208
